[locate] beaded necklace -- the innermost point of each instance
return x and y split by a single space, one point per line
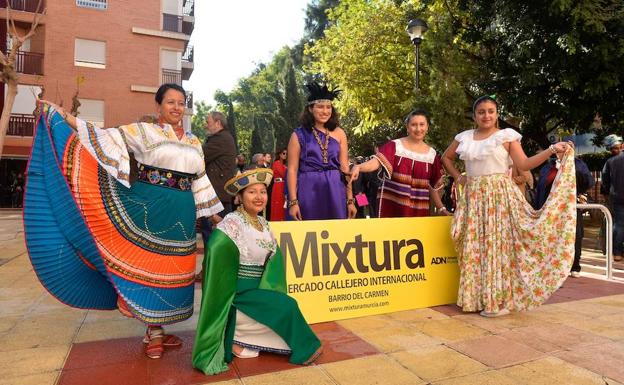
323 146
254 222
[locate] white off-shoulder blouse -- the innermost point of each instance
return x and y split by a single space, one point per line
487 156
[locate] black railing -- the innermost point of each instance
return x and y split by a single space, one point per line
189 53
188 8
30 63
23 5
171 76
172 23
21 125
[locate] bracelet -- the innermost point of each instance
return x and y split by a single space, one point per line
440 209
293 202
350 201
552 149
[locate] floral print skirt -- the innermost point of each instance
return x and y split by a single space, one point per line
510 255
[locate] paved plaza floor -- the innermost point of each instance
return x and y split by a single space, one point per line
576 338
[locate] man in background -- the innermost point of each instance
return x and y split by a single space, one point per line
613 187
220 159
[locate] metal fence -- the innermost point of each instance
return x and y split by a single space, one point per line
23 5
21 125
608 233
29 63
171 76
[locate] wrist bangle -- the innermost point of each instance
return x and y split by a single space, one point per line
442 208
350 201
293 202
552 149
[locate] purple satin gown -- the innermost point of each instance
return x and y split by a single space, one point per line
320 190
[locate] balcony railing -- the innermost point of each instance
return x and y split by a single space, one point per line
189 53
23 5
21 125
189 8
30 63
171 76
172 23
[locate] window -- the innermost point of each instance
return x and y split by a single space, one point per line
90 53
92 111
171 64
97 4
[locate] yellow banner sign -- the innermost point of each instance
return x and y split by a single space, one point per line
343 269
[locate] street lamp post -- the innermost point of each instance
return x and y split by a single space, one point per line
415 30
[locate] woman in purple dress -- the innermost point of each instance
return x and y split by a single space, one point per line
319 156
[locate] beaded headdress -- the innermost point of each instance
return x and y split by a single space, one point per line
257 175
321 93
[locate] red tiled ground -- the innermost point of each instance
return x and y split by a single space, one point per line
121 361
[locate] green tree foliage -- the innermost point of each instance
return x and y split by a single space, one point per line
267 103
198 121
367 53
554 65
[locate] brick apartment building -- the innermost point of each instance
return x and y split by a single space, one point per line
116 51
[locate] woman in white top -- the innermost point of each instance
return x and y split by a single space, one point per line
99 240
245 307
511 257
410 170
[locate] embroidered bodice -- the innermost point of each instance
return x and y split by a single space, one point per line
152 145
254 246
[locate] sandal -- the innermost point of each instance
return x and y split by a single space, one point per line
168 340
154 348
499 313
246 352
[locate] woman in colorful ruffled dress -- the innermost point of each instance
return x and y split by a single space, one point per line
318 162
97 239
410 170
245 308
511 257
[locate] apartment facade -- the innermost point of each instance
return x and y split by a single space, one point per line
110 55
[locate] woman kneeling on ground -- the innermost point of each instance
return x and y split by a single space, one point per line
245 308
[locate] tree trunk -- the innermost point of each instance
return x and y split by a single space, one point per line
6 111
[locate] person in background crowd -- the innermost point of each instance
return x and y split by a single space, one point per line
584 181
219 158
278 198
245 307
318 162
17 190
241 162
613 187
510 257
101 241
257 160
268 160
613 143
411 169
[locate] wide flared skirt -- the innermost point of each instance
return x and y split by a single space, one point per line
510 255
280 313
93 241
